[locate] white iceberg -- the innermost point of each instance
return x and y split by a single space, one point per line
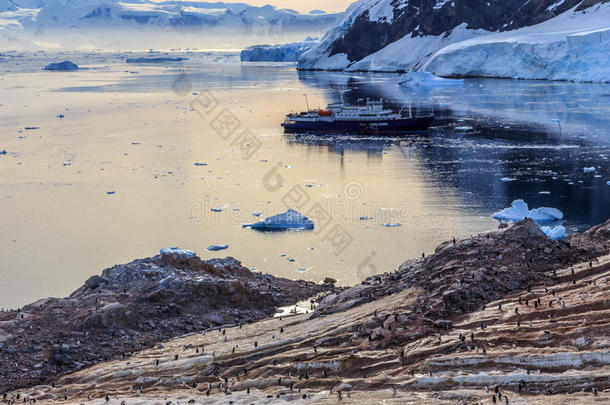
556 233
289 220
519 210
175 250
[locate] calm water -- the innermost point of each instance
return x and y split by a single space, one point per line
138 130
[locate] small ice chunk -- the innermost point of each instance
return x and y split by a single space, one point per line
392 225
519 210
217 247
589 169
174 250
556 233
508 179
289 220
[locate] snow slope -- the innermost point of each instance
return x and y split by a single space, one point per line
557 40
573 46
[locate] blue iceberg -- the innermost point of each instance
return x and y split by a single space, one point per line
213 248
289 220
519 211
62 66
557 233
175 250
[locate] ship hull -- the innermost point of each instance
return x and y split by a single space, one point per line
405 125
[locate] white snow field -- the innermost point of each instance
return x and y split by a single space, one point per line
574 46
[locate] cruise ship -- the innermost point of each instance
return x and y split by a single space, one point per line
371 118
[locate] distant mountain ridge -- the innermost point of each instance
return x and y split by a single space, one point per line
18 17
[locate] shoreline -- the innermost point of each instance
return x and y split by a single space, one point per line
507 294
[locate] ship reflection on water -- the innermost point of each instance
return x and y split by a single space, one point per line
492 141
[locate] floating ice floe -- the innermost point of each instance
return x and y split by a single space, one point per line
519 210
556 233
289 220
217 247
589 169
175 250
413 79
62 66
156 60
508 179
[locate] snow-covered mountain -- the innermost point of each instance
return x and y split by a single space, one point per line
46 20
541 39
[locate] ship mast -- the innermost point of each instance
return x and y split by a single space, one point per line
306 101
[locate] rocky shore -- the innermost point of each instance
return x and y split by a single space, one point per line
507 316
132 307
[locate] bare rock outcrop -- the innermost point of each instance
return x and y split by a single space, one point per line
133 306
